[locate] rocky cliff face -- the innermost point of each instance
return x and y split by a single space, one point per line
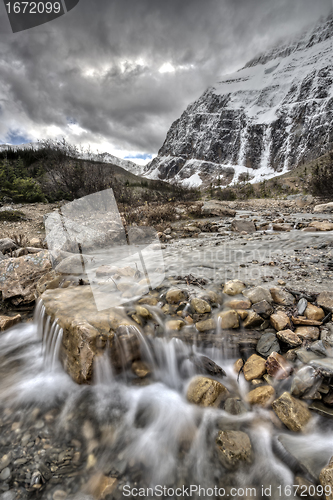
271 115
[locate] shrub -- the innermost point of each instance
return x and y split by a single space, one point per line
321 182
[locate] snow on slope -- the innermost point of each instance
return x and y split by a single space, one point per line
262 120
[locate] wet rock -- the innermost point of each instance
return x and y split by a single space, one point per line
140 369
307 488
279 320
7 245
228 319
302 320
206 325
320 408
7 321
282 227
289 338
293 413
233 287
257 294
301 306
200 306
150 301
234 447
48 281
267 344
204 391
263 308
253 320
234 406
143 312
175 296
254 367
83 326
100 486
318 348
282 297
5 474
242 314
207 366
238 304
325 299
243 225
322 225
313 312
277 367
174 325
326 480
262 396
306 381
326 336
19 277
5 461
307 332
324 365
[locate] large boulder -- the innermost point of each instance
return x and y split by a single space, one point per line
204 391
7 245
293 413
19 277
324 208
234 448
87 332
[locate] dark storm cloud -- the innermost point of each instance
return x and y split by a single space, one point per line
98 66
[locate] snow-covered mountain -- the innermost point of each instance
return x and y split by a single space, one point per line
130 166
262 120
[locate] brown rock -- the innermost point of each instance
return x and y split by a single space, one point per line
207 324
293 413
279 320
253 320
325 299
302 320
19 277
143 312
9 321
282 227
200 306
175 296
100 486
322 225
234 447
254 367
307 332
174 325
228 319
262 396
282 297
242 314
326 480
140 369
257 294
243 225
204 391
150 301
238 365
290 338
239 304
278 367
233 287
313 312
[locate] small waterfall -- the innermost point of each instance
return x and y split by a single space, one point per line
50 334
103 373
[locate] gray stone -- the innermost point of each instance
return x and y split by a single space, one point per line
233 448
306 381
243 225
257 294
234 406
267 344
323 208
306 356
301 306
5 474
281 296
325 299
324 365
7 244
263 308
326 336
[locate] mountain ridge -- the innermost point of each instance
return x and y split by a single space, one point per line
269 116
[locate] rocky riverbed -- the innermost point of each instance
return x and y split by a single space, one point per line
219 376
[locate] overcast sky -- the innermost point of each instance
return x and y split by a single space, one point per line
116 73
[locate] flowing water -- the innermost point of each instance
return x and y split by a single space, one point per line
146 434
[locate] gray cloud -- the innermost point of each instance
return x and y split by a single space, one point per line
98 66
